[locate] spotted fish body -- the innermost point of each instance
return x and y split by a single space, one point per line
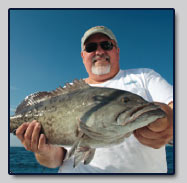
85 117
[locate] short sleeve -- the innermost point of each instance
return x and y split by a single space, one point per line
157 87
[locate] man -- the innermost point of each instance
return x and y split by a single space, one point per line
142 152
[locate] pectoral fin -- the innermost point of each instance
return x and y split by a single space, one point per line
83 153
89 156
74 147
80 151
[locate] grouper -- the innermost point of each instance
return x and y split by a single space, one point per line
85 117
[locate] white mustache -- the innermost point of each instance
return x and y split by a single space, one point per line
103 56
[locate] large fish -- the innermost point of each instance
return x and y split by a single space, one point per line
86 117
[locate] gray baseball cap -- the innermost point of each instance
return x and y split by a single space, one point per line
97 29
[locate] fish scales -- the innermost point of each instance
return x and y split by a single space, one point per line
86 117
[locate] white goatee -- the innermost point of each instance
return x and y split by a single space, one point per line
100 70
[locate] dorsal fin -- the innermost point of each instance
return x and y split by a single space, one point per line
70 87
31 100
41 96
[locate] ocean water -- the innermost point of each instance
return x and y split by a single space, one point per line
24 162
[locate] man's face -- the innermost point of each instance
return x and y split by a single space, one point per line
101 64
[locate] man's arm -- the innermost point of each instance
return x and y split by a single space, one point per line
160 132
46 154
55 156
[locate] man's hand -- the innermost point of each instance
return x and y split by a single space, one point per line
46 154
160 132
30 137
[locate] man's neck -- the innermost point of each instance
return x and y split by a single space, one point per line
90 80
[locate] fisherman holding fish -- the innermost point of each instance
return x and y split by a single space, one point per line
144 150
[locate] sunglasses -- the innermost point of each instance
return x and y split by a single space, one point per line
105 45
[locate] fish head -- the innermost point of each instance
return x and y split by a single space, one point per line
122 107
133 109
136 109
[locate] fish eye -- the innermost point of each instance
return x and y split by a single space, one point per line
125 99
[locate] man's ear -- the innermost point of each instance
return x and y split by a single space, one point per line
118 50
82 54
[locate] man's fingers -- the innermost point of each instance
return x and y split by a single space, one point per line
147 133
28 135
21 131
162 123
154 143
159 125
42 142
35 137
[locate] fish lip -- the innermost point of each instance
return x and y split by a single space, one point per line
137 112
137 109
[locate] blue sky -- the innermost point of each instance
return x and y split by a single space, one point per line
45 45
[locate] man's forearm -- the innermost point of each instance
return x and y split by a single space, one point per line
53 159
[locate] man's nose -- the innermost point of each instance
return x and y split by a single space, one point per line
99 50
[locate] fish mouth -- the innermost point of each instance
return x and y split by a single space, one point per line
132 115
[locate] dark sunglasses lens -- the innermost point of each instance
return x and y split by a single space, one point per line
91 47
106 45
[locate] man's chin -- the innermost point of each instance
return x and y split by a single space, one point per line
101 70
